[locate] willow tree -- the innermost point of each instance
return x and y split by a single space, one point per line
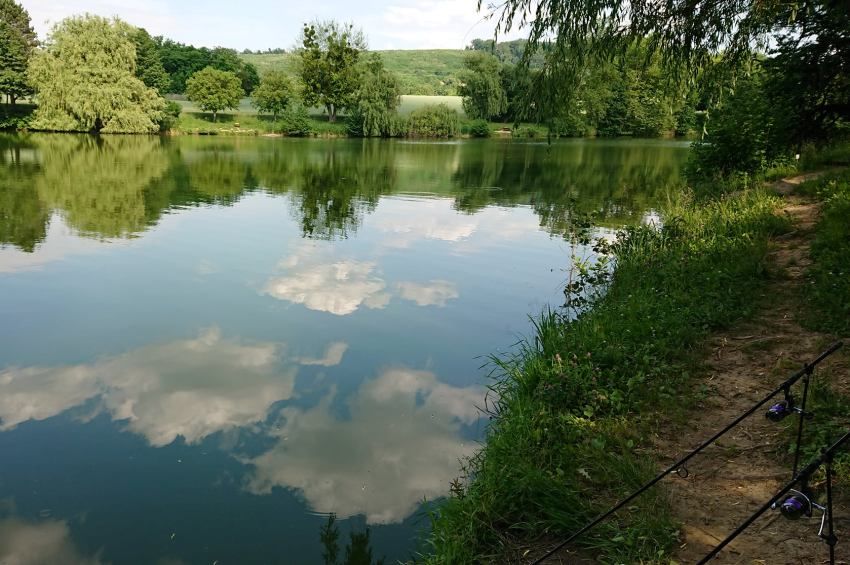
481 86
374 110
85 80
687 35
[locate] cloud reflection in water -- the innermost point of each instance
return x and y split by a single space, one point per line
401 443
190 388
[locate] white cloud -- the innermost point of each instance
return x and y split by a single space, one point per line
332 357
427 24
153 15
400 444
435 293
24 543
190 388
339 288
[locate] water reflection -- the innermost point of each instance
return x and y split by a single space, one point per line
339 287
49 541
116 186
211 340
358 550
399 444
190 388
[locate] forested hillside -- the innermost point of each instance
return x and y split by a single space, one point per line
422 71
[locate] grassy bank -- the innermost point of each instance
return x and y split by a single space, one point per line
828 289
578 401
826 303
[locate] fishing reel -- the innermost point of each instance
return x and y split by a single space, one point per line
798 505
781 410
785 408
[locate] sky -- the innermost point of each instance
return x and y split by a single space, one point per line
262 24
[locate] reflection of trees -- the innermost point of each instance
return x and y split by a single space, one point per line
99 182
220 175
118 186
332 185
23 217
615 182
357 552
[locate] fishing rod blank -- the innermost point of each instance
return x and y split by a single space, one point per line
805 474
675 467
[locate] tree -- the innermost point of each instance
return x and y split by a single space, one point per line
328 69
274 93
182 61
375 102
225 59
17 41
214 90
85 80
481 86
149 67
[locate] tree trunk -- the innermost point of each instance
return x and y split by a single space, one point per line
331 113
215 116
12 99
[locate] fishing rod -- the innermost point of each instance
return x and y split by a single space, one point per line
776 413
798 504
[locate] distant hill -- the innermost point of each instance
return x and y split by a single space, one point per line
426 72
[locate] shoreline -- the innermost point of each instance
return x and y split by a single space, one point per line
581 402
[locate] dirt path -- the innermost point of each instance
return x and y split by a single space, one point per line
747 466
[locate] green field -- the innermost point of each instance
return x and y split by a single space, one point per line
421 71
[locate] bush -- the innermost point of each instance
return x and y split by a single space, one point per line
170 116
479 128
294 122
389 124
741 136
528 132
15 117
433 121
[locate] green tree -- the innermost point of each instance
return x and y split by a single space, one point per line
274 94
17 41
375 102
214 90
85 80
481 86
328 68
149 67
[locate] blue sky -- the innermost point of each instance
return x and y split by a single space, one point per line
260 24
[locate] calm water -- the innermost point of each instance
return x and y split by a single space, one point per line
209 345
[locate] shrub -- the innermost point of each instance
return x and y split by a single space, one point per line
741 136
433 121
479 128
294 122
169 116
528 132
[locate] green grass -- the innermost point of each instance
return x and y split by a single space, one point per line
828 284
248 124
421 71
577 402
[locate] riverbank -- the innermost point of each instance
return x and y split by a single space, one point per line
581 404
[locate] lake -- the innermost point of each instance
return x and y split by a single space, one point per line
209 346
